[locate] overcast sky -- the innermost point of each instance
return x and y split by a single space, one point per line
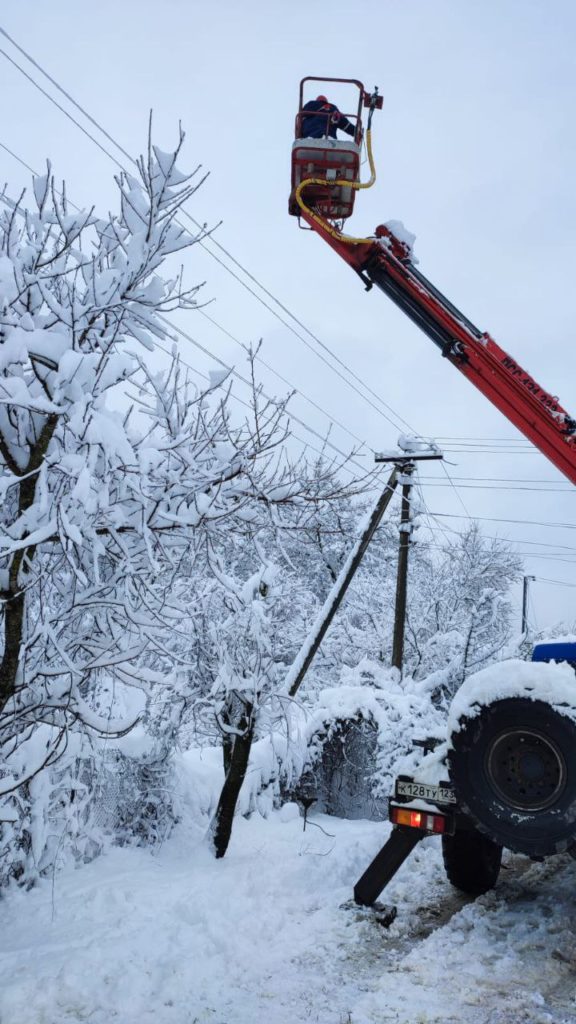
475 153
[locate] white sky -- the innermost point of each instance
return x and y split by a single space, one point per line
475 153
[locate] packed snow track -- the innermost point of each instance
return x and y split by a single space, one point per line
261 936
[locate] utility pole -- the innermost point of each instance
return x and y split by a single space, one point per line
319 628
414 451
405 531
525 583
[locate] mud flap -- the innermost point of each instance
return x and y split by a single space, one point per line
385 865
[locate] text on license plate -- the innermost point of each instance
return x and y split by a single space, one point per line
437 794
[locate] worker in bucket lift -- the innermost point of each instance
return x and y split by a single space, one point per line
323 119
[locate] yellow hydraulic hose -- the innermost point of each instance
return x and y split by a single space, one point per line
356 185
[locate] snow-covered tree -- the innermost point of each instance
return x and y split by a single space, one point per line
124 488
460 616
256 612
459 611
83 512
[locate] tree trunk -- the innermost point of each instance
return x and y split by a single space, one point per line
13 628
15 596
227 748
227 739
221 827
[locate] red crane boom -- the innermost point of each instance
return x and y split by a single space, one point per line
385 261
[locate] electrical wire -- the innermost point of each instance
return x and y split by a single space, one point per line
502 480
232 370
460 443
475 440
326 348
558 583
521 554
491 451
229 369
56 104
296 391
241 401
456 492
496 487
229 255
19 160
517 522
431 526
557 553
219 326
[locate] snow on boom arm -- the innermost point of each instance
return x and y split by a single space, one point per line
323 194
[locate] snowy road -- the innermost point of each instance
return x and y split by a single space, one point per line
260 938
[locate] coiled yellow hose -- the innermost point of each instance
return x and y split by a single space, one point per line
356 185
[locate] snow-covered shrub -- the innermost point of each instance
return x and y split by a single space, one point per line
47 819
341 752
359 737
133 800
340 779
92 797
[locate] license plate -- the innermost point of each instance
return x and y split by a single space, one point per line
423 791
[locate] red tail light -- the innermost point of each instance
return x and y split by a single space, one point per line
427 822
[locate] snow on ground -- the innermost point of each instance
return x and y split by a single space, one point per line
261 937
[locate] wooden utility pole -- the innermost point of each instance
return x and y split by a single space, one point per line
319 628
406 463
525 583
402 572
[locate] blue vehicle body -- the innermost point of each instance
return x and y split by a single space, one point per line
561 651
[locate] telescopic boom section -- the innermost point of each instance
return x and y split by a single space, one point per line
385 262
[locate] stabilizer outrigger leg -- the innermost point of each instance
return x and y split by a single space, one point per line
385 865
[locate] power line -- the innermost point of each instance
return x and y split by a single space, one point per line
19 159
520 522
245 271
474 442
495 487
557 552
519 446
555 559
456 492
558 583
490 440
558 548
56 104
288 383
490 451
439 526
216 358
229 369
502 480
232 370
318 341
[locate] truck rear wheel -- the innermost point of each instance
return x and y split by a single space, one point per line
472 861
513 767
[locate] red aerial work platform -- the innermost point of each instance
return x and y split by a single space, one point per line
386 261
326 159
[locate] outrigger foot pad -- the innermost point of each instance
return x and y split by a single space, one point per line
383 913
